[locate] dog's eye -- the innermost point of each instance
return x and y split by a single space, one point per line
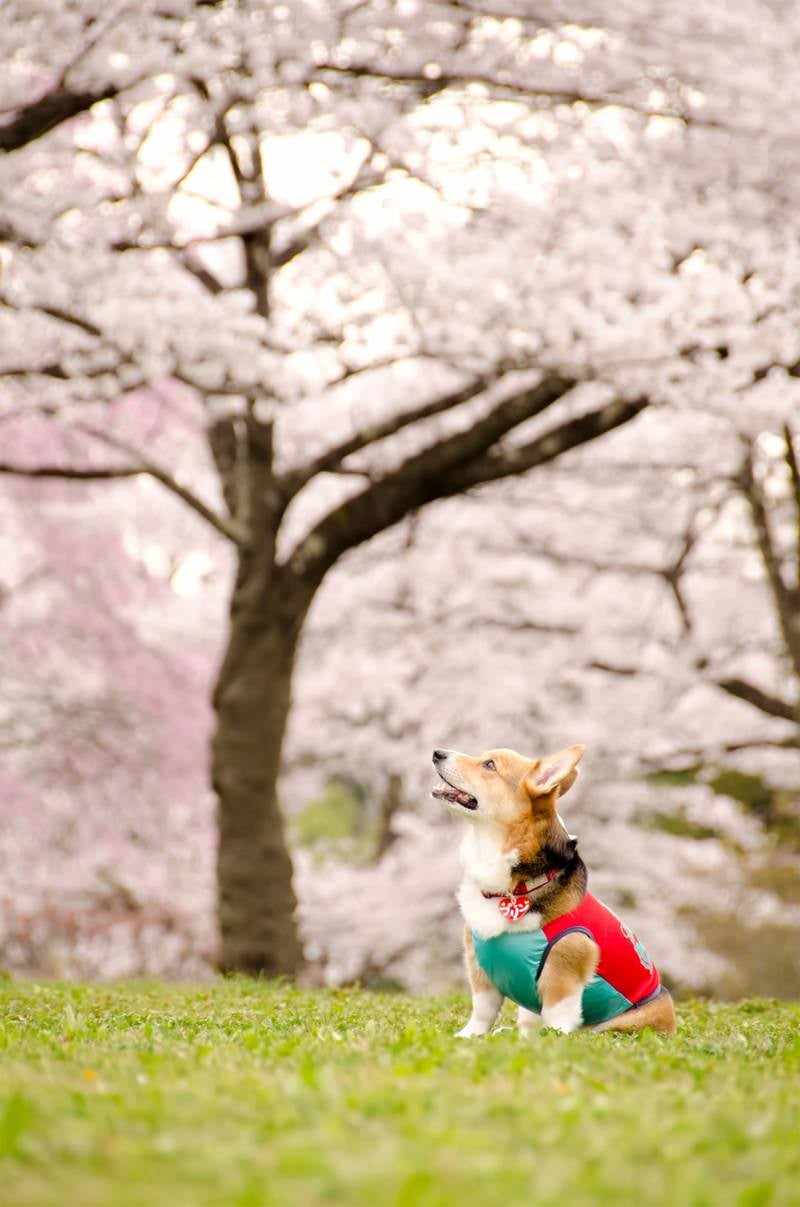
489 765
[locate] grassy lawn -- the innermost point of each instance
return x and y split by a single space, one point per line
246 1094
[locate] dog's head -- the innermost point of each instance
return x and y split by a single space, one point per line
506 791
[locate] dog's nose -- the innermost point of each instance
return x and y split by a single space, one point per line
439 756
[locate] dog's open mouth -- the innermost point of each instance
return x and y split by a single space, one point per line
445 791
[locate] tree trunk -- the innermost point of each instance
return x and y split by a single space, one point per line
256 901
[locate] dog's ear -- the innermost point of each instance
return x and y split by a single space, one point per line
556 771
566 784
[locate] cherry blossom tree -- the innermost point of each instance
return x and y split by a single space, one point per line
372 256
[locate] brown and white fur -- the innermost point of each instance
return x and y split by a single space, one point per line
515 832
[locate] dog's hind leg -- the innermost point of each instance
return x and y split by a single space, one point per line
486 999
658 1014
527 1020
569 966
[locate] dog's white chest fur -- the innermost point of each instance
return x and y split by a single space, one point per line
487 869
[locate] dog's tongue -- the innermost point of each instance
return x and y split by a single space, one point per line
454 794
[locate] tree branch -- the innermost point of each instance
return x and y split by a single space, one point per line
610 668
782 594
423 477
38 117
101 473
673 575
331 460
253 193
228 528
110 472
774 743
794 478
516 459
66 316
51 110
207 279
504 87
771 705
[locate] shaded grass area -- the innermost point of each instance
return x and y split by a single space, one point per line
248 1094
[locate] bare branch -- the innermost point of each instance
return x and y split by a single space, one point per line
100 473
207 279
331 460
612 669
516 459
392 802
253 193
223 444
506 88
296 247
214 139
771 705
248 220
674 578
782 594
55 368
699 755
52 369
39 117
794 478
423 477
257 220
226 527
65 316
142 465
510 625
552 21
773 743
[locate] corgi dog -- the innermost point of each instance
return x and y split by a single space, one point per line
533 933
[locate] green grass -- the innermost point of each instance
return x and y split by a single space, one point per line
247 1094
